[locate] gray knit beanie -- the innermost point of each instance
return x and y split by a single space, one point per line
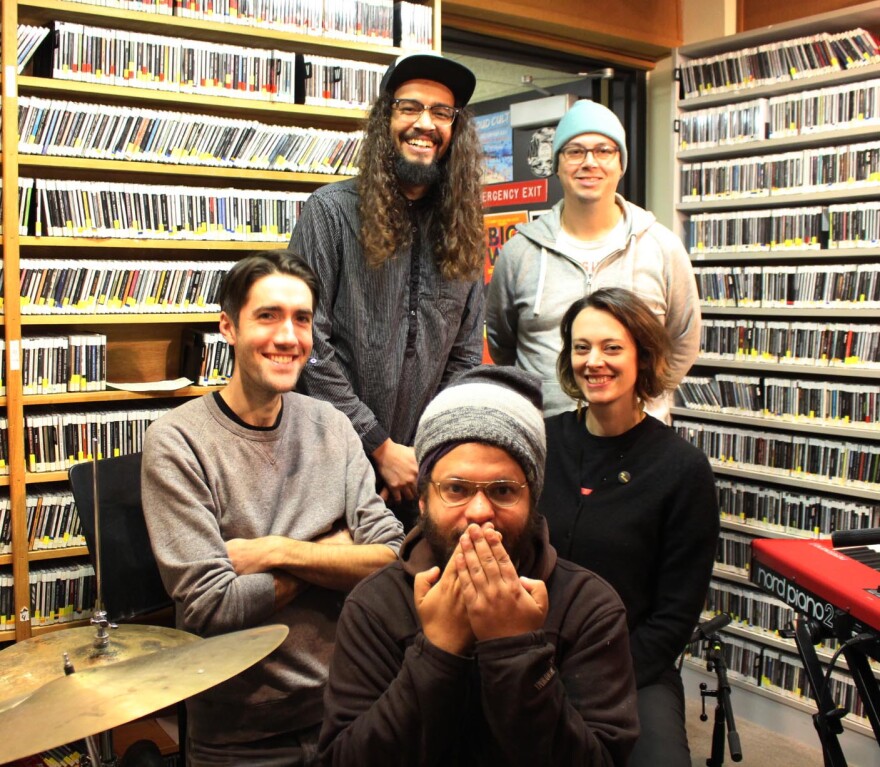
589 117
494 404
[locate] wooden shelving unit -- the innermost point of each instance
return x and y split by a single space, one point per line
141 347
866 16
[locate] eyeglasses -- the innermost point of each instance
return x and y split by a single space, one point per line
574 153
500 492
412 110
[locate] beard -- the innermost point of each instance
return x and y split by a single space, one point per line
443 544
416 173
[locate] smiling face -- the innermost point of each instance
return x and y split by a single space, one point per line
422 141
272 338
604 361
590 182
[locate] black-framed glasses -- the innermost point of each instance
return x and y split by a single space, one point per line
575 153
500 492
412 110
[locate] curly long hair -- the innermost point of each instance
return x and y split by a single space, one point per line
458 218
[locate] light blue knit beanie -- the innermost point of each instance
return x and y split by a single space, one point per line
589 117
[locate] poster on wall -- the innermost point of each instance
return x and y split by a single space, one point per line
540 152
496 137
498 228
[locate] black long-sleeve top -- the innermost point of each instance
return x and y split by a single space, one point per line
386 339
563 695
640 510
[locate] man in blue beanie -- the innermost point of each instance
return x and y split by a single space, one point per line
592 238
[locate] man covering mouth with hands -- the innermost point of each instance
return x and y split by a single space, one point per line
480 646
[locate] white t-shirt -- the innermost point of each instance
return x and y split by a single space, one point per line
588 253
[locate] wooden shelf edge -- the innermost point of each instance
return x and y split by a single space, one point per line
40 630
798 312
855 431
733 577
149 243
775 368
40 555
36 477
117 319
56 162
762 531
741 149
114 395
854 193
315 114
215 30
755 474
784 255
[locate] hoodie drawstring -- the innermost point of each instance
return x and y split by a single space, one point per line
542 276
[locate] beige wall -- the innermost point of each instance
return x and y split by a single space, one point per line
634 31
760 13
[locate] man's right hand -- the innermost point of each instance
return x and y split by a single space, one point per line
441 609
399 470
287 588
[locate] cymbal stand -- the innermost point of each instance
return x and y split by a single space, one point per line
99 616
100 746
723 708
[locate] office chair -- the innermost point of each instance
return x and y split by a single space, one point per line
130 577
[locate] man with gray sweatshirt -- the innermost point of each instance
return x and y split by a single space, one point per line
592 238
261 508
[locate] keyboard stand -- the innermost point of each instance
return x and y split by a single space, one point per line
828 719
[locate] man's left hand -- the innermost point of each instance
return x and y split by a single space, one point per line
250 555
499 603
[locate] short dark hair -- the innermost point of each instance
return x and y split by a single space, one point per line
238 280
652 341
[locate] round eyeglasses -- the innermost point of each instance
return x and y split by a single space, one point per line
500 492
576 154
412 110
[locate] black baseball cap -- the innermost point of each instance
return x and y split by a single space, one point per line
431 66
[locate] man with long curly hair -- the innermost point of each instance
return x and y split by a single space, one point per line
398 252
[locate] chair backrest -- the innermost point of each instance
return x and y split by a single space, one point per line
129 575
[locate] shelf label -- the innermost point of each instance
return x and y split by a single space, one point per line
14 355
10 82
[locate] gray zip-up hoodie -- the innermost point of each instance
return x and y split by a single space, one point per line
533 284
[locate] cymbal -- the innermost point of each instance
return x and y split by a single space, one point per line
30 664
98 699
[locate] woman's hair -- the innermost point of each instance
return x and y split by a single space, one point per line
457 217
652 341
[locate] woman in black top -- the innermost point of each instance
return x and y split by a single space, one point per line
629 499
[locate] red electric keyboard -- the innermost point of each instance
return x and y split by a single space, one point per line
836 593
819 581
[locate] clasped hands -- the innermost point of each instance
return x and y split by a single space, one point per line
478 596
